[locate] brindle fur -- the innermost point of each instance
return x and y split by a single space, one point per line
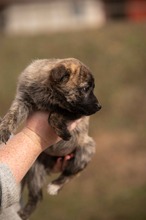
63 87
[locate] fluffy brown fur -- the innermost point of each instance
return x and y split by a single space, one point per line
63 87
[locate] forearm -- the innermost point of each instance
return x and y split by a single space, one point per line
20 152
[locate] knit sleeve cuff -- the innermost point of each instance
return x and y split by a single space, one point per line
9 190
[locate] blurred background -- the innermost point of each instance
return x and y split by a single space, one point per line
110 37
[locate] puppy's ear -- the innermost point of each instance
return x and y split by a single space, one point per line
59 74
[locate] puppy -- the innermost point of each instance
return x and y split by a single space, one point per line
63 87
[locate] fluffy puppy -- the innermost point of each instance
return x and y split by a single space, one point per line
63 87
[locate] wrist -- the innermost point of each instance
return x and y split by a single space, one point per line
35 138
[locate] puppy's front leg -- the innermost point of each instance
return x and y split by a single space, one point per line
17 112
59 124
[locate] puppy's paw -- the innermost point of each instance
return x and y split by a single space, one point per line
59 124
53 189
4 135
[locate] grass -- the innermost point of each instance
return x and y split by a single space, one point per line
113 187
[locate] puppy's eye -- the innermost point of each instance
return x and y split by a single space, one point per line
66 76
85 89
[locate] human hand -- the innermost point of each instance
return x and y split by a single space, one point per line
37 124
61 163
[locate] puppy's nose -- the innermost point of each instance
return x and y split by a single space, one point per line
99 106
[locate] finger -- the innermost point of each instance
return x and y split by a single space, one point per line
66 159
73 124
64 164
69 156
58 166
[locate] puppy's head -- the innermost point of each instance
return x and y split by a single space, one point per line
73 84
